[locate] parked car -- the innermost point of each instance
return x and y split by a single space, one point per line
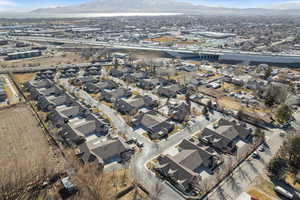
140 144
255 155
284 192
132 140
261 148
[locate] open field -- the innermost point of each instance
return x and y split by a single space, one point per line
163 39
25 156
65 58
229 103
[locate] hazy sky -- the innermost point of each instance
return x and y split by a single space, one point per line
21 5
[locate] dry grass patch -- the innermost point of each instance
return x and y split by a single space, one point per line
107 104
196 112
95 96
229 103
290 179
175 130
150 165
134 92
163 39
265 186
258 195
23 78
25 156
67 58
228 86
135 194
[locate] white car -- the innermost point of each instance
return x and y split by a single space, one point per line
134 139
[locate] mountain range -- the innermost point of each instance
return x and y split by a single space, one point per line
164 6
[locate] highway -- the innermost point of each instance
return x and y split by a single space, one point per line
111 45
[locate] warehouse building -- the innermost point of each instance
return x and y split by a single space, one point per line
25 54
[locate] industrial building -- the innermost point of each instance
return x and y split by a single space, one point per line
25 54
3 42
215 35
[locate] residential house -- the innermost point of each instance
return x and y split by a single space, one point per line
52 91
179 112
3 95
95 88
48 103
156 125
171 91
91 88
48 74
196 81
131 106
149 84
184 169
45 83
135 77
84 80
112 95
116 73
255 85
181 176
234 81
93 70
78 130
104 152
68 73
225 135
187 68
62 114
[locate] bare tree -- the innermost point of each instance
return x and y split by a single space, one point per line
124 177
219 175
90 179
204 186
157 191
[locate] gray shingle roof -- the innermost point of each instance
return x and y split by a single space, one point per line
182 174
103 150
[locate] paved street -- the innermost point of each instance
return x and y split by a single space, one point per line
14 98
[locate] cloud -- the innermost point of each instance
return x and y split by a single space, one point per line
7 3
